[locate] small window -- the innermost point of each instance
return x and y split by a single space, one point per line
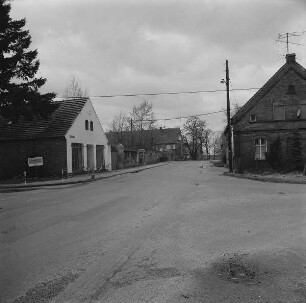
291 90
91 125
278 112
261 148
253 118
86 124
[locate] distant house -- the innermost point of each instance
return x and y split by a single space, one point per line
165 141
276 112
71 139
168 142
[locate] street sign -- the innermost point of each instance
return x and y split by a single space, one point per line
36 161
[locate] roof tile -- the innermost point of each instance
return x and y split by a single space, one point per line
56 125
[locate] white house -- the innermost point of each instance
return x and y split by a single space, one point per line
71 139
87 144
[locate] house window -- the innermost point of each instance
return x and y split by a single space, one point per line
278 112
91 125
86 124
260 149
253 118
291 90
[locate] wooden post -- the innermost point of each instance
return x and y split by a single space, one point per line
229 130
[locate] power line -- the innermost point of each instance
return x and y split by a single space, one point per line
168 93
287 36
182 117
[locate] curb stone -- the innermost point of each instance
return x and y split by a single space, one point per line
18 187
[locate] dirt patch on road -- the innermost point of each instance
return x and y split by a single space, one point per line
237 268
46 291
244 278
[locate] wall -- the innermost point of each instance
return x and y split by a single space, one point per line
245 132
244 152
78 134
264 107
14 155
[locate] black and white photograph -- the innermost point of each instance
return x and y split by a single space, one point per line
152 151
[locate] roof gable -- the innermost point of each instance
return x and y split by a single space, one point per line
56 125
261 93
79 132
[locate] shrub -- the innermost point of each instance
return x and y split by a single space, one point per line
274 155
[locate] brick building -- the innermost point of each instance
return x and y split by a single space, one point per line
276 112
71 139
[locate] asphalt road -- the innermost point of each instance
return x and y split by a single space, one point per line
154 236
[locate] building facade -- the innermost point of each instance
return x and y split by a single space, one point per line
70 141
276 114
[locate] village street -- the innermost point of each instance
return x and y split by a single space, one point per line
159 235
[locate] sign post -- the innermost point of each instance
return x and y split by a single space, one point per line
36 161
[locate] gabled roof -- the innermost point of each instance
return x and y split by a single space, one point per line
167 135
290 64
56 125
151 137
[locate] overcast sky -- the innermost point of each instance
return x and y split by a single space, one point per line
147 46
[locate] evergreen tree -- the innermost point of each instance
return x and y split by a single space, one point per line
19 95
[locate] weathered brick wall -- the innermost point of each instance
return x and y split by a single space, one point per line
279 93
14 154
245 132
244 148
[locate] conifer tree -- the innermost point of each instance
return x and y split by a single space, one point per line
19 88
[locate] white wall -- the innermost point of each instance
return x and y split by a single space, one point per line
78 134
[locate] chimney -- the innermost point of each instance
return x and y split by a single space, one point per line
290 58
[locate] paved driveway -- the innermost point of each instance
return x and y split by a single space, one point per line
161 235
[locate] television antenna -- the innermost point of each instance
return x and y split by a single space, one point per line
284 38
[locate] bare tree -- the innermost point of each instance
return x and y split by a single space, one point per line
74 89
207 141
234 110
120 123
194 131
143 118
216 144
119 127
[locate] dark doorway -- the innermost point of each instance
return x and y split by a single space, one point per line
77 157
100 157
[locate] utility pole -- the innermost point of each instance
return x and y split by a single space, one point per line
131 133
229 130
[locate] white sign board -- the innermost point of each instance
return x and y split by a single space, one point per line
37 161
